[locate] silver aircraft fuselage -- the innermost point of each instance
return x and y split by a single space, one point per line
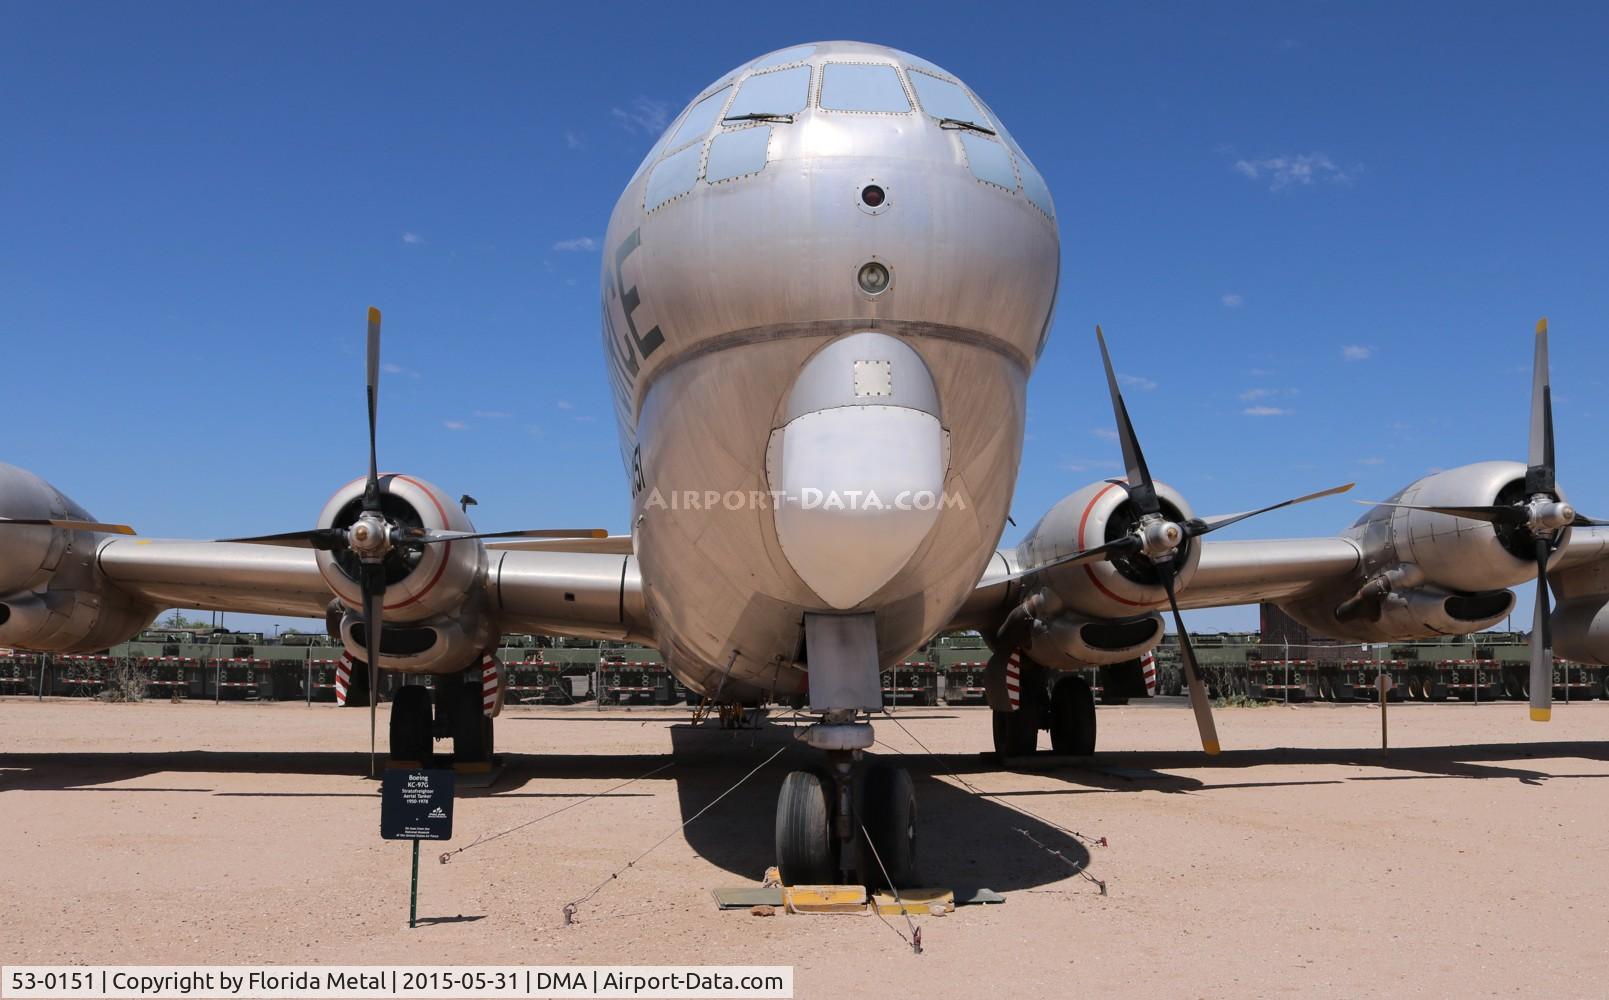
804 432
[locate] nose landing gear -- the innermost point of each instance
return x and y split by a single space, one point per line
847 821
846 827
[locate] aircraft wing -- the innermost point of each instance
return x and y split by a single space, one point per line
586 594
1247 572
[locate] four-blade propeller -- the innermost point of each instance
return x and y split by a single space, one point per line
372 537
1159 540
1540 513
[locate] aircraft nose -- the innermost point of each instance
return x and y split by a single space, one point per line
858 466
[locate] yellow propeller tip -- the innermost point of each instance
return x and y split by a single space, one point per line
1211 746
1542 325
374 315
1541 714
598 533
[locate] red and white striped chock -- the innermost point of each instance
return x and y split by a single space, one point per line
1148 671
343 677
1014 679
491 685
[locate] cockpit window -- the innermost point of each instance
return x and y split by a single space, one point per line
783 92
943 99
698 122
862 87
988 161
672 177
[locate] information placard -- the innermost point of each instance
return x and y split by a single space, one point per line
417 805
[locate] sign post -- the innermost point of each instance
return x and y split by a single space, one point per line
1384 684
416 805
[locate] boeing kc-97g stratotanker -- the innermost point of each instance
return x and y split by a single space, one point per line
823 293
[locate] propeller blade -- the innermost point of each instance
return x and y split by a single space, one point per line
1542 641
1225 520
373 612
1199 702
371 491
1127 545
426 537
317 538
1539 476
69 524
1141 490
1495 514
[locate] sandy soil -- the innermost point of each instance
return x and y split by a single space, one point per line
1302 861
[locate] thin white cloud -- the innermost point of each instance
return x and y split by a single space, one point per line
1372 460
583 418
1357 352
1265 411
493 414
571 140
454 425
644 115
1105 433
581 244
1252 395
1137 382
392 368
1299 169
412 239
1232 300
563 404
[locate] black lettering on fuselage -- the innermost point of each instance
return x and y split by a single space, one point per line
646 344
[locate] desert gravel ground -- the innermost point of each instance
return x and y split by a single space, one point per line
1303 861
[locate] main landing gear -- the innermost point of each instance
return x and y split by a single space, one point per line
420 716
847 822
1065 706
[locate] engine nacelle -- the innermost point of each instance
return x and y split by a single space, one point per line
52 598
70 620
1118 589
441 645
422 581
1433 611
1400 605
1454 553
1581 629
1070 642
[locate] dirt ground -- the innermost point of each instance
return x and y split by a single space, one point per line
1302 861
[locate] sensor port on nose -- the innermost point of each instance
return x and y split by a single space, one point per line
873 278
872 197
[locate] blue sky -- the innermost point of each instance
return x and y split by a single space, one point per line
1318 236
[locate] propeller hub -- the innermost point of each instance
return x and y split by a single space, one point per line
1160 536
369 536
1547 514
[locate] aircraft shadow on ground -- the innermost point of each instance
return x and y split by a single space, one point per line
966 840
1147 770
